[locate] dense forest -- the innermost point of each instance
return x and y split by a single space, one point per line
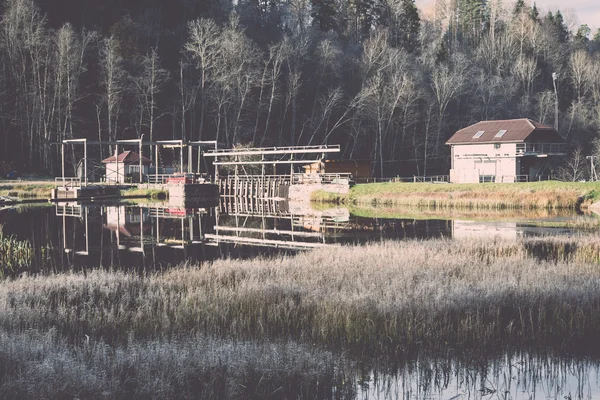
371 75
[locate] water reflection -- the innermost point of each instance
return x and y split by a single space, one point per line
503 230
511 377
155 235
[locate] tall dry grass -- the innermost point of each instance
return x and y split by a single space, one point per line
14 253
42 365
386 298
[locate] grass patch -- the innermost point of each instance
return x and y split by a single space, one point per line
26 191
531 195
14 253
154 194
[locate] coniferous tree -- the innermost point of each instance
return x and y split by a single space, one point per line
363 17
519 7
582 37
405 31
324 15
534 13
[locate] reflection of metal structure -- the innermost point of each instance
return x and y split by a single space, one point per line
135 229
271 223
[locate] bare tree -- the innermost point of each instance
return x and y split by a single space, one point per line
203 47
447 83
148 85
574 168
114 83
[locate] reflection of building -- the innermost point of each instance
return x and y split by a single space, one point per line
503 151
126 220
126 167
478 230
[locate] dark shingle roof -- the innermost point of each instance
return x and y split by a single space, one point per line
127 157
517 130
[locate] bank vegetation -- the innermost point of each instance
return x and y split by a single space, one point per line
399 297
531 195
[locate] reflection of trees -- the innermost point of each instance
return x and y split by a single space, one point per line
511 376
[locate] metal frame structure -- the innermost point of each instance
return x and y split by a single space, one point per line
263 152
161 143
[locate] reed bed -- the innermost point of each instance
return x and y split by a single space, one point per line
488 196
386 298
38 365
14 254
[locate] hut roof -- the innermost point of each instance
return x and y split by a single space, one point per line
128 157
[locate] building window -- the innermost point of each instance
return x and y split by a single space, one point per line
478 134
500 133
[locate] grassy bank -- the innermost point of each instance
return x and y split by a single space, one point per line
26 190
43 190
391 297
154 194
531 195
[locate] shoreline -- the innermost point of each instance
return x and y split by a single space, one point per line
551 195
27 192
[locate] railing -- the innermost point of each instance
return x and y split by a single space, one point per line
273 150
407 179
541 148
67 182
68 211
513 178
321 178
432 179
159 179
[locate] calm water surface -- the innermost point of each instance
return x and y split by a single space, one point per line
509 377
159 235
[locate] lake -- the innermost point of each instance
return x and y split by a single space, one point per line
150 236
158 235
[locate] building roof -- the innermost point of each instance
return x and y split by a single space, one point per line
128 157
515 131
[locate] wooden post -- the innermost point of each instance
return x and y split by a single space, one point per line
155 164
62 156
199 153
181 157
85 162
117 162
140 161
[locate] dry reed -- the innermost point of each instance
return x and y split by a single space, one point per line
38 365
390 297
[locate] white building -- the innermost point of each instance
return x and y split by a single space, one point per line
517 150
126 167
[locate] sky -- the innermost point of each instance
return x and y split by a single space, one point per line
576 12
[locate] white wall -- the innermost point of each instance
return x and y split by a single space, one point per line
113 174
470 161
